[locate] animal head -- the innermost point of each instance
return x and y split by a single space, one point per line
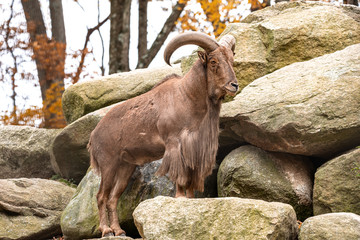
217 60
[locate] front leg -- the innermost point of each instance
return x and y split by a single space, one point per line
190 193
179 191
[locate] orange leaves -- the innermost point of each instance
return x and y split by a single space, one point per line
299 224
30 117
257 5
23 50
212 18
51 56
188 21
212 12
229 15
52 107
37 116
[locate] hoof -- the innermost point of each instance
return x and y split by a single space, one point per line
180 196
110 234
120 233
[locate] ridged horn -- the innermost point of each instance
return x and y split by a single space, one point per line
202 40
228 41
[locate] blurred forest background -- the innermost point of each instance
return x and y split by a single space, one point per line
35 51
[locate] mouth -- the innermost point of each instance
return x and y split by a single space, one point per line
231 89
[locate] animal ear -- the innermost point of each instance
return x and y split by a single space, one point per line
202 57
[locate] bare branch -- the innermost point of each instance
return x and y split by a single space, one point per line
80 6
119 36
13 70
102 67
84 51
169 25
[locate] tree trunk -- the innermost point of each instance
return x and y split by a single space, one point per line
36 28
142 43
53 109
119 36
145 59
49 55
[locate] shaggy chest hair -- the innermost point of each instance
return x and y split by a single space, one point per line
191 159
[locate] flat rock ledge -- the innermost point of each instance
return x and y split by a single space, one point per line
214 218
30 208
342 225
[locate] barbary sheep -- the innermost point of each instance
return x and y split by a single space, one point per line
177 120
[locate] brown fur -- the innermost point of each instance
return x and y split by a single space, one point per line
174 75
192 160
177 120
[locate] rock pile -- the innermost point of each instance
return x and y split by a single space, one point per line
289 144
30 208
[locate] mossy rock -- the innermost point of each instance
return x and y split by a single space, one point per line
88 96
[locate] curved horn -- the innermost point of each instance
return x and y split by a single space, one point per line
201 39
228 41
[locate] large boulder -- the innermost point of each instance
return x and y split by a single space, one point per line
250 172
331 226
285 33
24 152
337 185
306 108
88 96
31 208
214 218
68 152
80 218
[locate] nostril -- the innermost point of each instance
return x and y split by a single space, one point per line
235 85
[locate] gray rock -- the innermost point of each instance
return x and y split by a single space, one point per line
31 208
286 33
24 152
88 96
214 218
306 108
331 226
68 153
337 185
80 218
250 172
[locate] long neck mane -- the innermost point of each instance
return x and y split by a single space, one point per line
199 147
192 159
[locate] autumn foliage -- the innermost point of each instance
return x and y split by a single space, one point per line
26 42
213 18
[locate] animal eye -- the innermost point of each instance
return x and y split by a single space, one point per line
213 62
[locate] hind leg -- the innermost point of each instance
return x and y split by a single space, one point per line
123 174
102 200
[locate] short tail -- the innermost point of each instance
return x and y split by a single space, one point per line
93 163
